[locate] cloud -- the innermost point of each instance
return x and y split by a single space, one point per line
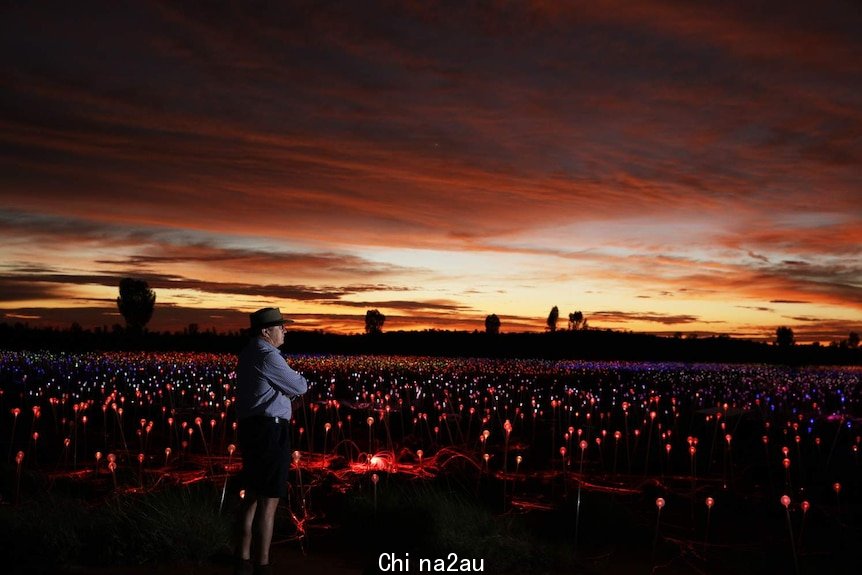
757 308
447 306
36 286
700 150
14 289
625 317
146 249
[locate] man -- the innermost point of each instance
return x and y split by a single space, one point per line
265 387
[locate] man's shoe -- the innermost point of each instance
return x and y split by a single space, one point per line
243 567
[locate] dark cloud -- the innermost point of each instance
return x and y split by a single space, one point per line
406 305
760 257
259 150
756 308
14 289
156 247
382 83
324 263
624 317
29 287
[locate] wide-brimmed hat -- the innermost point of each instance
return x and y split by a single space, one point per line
267 317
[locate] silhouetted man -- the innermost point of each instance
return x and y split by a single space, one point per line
265 387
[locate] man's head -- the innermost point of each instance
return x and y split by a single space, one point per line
268 323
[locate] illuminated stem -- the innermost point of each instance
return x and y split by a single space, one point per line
792 541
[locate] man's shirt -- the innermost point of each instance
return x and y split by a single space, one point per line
265 383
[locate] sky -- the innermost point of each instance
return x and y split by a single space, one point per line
666 167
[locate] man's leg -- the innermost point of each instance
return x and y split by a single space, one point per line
264 522
244 527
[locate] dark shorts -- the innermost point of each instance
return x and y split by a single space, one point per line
266 455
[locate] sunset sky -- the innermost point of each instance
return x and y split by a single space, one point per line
691 167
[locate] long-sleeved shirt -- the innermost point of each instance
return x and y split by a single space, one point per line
265 383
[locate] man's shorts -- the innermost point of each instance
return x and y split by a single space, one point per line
266 456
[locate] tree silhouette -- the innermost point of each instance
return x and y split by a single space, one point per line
136 303
553 317
374 322
492 324
784 336
853 340
575 320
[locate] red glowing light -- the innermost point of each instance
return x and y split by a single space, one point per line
785 500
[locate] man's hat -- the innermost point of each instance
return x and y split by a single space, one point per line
267 317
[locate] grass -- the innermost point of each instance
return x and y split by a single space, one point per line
71 523
432 519
54 528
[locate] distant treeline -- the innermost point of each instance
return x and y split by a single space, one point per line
579 344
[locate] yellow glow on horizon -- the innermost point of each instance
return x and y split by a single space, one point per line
440 289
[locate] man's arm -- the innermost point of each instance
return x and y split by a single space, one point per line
283 377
